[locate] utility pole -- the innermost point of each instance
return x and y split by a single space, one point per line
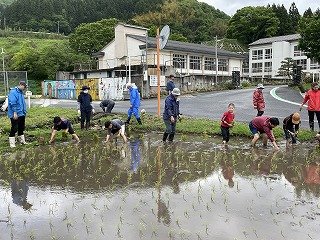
216 77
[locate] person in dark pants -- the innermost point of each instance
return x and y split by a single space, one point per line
134 103
291 127
107 105
171 114
17 111
170 84
85 107
62 124
312 97
227 123
258 100
115 128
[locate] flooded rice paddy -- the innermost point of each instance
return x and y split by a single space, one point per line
192 189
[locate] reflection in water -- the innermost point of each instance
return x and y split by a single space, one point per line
227 168
312 174
163 212
135 154
90 190
19 191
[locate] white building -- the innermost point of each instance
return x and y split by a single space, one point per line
132 52
130 44
266 54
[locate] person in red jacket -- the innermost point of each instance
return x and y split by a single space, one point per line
264 126
313 98
258 100
227 122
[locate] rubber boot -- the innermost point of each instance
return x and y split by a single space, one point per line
82 125
22 139
171 136
311 124
12 142
139 121
128 120
165 136
87 125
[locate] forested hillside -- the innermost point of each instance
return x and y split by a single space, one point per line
194 21
65 15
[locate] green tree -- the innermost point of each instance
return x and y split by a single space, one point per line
252 23
310 41
294 17
285 26
178 37
286 68
43 63
198 22
308 13
92 37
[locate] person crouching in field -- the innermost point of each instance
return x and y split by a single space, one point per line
62 124
264 126
227 123
115 128
291 128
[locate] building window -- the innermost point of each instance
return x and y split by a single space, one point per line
245 66
223 65
268 66
210 64
257 54
268 53
179 61
256 67
195 62
302 63
314 64
297 52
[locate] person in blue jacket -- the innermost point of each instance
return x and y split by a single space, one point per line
17 111
134 102
85 107
171 114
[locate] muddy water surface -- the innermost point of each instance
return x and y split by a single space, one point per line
193 189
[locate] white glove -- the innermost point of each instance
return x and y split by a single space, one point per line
93 111
79 111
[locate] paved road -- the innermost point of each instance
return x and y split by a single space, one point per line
281 101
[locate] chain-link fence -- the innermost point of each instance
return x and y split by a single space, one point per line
10 79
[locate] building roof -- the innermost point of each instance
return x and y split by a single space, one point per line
287 38
132 26
186 47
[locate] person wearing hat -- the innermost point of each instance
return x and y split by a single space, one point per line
134 103
85 107
258 100
171 114
291 127
312 97
62 124
17 111
170 84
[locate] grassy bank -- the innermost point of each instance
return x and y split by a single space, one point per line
39 123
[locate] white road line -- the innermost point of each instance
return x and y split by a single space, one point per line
274 95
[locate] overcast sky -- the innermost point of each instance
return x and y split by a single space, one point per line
231 6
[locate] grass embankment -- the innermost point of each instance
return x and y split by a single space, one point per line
39 124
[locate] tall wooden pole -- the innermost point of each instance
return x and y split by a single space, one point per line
158 69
